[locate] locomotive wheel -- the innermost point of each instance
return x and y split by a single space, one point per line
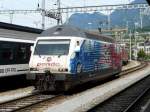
44 83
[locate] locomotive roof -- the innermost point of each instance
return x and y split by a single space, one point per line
67 30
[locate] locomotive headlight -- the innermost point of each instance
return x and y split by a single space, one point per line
73 55
62 69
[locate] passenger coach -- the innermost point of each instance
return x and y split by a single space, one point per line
65 56
14 56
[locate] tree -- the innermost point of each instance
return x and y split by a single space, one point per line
141 54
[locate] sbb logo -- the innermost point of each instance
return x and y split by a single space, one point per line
49 59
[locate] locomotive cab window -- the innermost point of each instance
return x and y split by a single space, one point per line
87 46
52 47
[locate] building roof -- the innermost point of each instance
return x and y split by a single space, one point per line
19 28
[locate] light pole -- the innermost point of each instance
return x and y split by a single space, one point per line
108 20
59 13
135 38
130 35
141 19
122 37
43 14
11 17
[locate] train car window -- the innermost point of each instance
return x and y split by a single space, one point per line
7 54
92 45
14 53
86 46
28 52
23 53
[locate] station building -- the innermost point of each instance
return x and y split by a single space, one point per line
145 46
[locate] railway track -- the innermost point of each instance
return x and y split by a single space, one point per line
26 103
141 103
142 65
129 99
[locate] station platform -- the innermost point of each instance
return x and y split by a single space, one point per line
15 94
131 64
90 98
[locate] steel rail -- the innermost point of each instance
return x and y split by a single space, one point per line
126 99
133 69
129 108
24 102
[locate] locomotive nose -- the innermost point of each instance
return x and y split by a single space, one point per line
51 63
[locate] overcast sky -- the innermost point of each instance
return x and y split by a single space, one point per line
34 20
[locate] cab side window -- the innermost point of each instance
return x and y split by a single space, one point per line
87 46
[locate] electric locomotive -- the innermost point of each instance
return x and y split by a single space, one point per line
64 56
